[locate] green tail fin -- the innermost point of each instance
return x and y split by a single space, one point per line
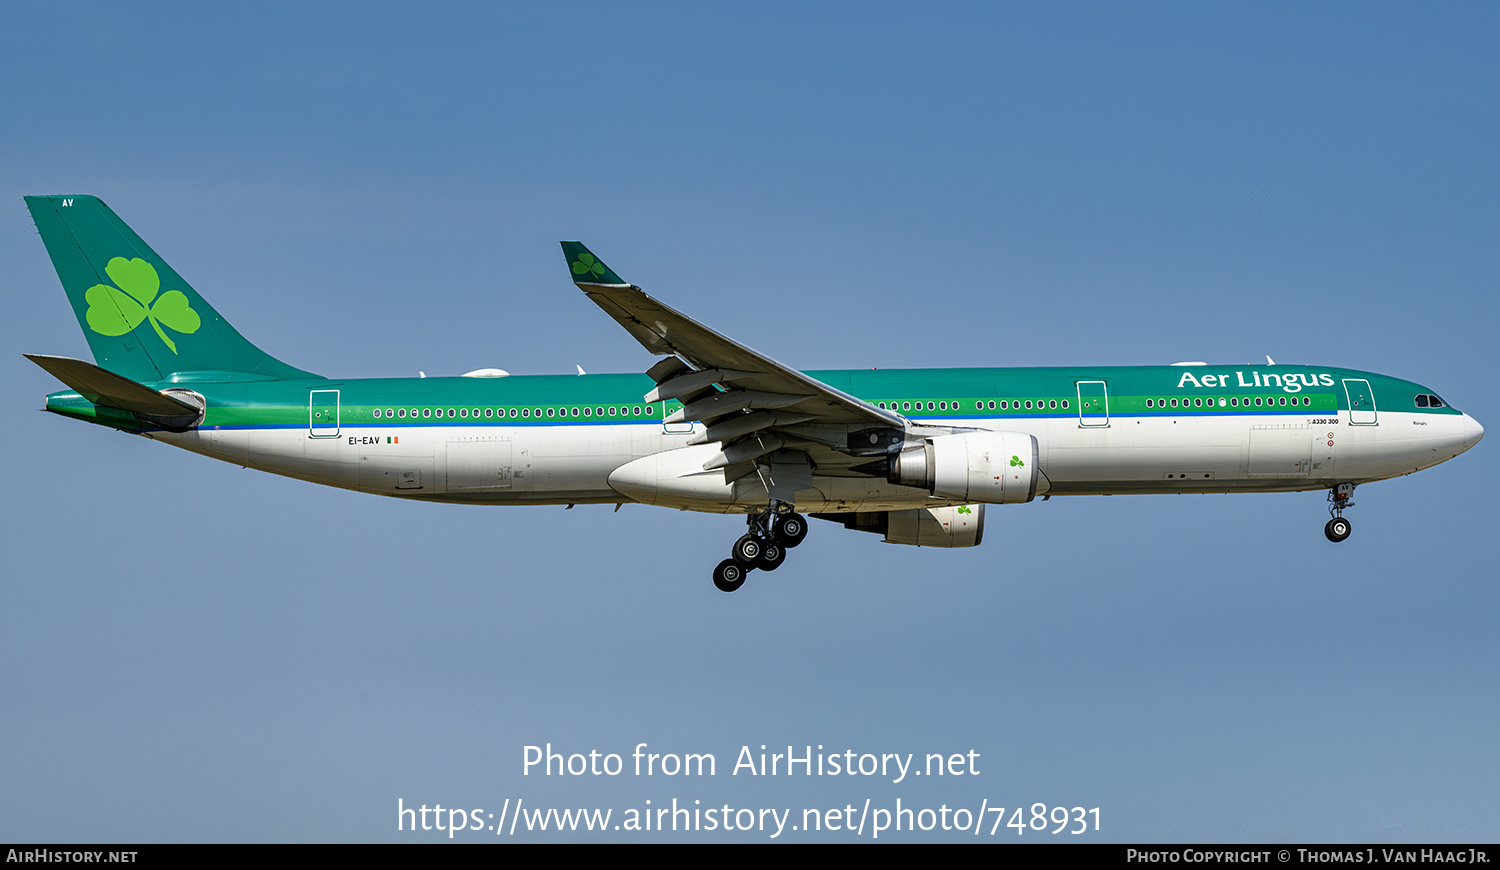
141 319
587 268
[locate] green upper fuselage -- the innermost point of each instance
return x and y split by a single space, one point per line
981 394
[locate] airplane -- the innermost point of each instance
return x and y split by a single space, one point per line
912 455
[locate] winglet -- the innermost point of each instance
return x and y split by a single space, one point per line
587 268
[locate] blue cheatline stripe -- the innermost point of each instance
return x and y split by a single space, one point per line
512 424
432 424
1073 415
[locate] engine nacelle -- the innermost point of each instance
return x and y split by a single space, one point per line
989 467
959 526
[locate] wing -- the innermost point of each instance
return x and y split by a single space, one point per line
744 398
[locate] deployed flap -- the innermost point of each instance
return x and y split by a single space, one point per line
109 389
663 330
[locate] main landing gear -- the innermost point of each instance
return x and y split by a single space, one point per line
1340 497
773 531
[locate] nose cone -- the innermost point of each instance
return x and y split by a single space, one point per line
1472 431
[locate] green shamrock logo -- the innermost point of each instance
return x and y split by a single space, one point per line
586 264
117 311
965 509
1015 462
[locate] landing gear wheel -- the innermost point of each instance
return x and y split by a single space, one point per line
791 530
730 575
1337 529
747 550
771 557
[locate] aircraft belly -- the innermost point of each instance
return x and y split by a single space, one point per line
1144 455
279 451
579 459
676 478
331 461
1397 443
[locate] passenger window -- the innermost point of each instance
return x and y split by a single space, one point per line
550 411
1065 404
598 412
403 412
649 412
1028 404
1052 404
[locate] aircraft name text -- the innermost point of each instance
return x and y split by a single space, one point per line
1291 383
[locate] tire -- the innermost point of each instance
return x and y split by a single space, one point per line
730 575
1337 529
791 530
747 550
771 557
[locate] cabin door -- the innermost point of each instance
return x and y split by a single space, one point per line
1093 404
323 413
1361 401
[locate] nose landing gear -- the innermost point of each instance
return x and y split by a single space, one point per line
773 531
1339 498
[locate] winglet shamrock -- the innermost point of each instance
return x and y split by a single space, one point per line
587 268
116 311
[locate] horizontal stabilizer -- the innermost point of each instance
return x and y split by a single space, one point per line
109 389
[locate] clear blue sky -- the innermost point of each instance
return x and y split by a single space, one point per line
191 651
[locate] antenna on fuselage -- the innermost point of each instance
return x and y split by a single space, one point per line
1269 361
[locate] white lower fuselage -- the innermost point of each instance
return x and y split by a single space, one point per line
641 461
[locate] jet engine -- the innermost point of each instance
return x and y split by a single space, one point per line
948 527
989 467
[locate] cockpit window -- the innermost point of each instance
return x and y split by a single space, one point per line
1428 400
1422 402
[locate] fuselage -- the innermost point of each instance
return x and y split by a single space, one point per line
591 439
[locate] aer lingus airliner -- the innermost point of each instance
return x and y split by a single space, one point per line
914 456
